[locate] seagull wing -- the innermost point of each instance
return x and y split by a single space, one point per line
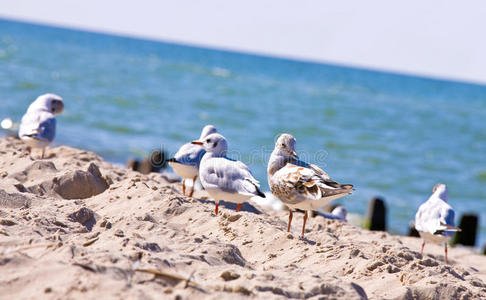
302 181
230 176
189 154
39 125
435 216
446 220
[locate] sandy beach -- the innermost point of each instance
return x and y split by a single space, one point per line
73 226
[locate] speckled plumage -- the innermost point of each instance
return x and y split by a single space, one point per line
299 184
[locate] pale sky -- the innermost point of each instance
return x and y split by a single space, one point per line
436 38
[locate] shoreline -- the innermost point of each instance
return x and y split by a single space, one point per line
136 236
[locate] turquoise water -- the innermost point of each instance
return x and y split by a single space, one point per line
389 135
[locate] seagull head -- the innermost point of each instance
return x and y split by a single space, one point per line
48 102
207 130
214 143
441 190
285 145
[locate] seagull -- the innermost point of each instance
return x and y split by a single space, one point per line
340 213
300 185
38 125
435 219
186 161
224 178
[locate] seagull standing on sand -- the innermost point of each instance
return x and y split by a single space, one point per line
435 219
186 161
38 125
299 184
224 178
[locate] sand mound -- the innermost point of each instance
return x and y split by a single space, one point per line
137 237
77 184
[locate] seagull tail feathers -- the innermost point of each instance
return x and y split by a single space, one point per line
447 227
259 193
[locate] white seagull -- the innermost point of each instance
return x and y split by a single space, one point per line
38 125
435 219
224 178
340 212
186 161
300 185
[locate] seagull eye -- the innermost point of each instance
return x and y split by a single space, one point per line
215 143
208 141
283 145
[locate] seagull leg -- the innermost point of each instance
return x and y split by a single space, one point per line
183 187
445 251
216 208
238 207
43 152
193 184
290 220
422 250
303 226
29 150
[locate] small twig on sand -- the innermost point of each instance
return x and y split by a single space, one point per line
189 279
86 267
91 242
174 277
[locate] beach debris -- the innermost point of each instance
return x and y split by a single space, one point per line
119 233
90 242
169 276
106 224
85 267
84 216
154 247
7 222
229 275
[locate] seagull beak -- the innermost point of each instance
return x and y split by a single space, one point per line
197 143
295 154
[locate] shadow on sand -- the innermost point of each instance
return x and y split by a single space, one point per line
232 206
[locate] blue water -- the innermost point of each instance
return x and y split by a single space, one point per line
389 135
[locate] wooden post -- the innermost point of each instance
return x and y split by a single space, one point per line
376 215
469 227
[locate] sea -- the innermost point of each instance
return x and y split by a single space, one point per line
391 135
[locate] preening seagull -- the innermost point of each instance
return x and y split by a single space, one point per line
38 125
435 219
299 184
